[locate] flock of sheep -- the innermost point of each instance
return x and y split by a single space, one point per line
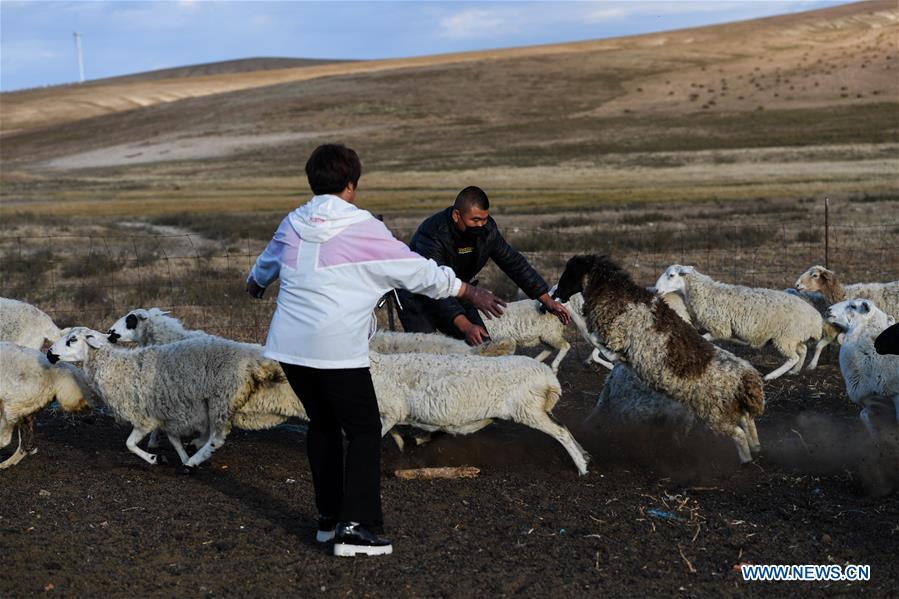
187 384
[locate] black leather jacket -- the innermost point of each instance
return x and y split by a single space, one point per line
438 238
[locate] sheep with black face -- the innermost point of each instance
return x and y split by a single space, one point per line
665 352
190 386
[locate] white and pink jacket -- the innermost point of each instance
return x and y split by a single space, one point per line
335 262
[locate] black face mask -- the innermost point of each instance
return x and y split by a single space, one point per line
475 233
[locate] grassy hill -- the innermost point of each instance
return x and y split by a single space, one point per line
789 106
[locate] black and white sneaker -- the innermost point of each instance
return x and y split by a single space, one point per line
352 540
326 528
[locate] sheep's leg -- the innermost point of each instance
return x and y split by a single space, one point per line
137 435
740 438
819 347
896 404
176 443
605 351
801 351
752 435
28 437
423 439
545 423
790 363
18 455
562 351
398 439
215 442
542 355
153 441
865 416
596 357
5 429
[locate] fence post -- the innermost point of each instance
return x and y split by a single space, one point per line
827 233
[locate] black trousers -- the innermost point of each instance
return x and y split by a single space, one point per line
420 316
342 402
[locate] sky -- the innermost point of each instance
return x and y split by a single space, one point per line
37 45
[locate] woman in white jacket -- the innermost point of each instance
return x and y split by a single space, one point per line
335 261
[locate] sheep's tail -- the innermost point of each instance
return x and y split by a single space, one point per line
551 394
752 394
262 374
269 405
499 347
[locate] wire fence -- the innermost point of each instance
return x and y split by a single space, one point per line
92 279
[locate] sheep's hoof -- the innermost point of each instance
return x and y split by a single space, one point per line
152 459
163 460
186 470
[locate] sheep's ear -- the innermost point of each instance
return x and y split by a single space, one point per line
864 306
65 331
685 269
95 340
825 274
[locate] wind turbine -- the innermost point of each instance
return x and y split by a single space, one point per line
80 58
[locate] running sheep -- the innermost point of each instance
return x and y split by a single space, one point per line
28 384
268 406
871 379
752 315
667 353
626 402
182 388
435 392
25 325
525 323
884 295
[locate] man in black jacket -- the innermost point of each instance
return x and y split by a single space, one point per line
464 237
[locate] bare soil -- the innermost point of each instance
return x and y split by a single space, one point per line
85 516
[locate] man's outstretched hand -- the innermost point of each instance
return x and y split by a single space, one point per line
483 300
556 308
474 334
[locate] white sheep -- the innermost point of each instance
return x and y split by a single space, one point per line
190 386
667 353
884 295
461 394
871 378
268 406
391 342
28 384
626 401
528 326
749 314
25 325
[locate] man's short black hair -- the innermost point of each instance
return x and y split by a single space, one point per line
331 167
471 196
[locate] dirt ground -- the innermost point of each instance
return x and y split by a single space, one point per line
85 516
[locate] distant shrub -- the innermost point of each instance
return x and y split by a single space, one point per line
809 236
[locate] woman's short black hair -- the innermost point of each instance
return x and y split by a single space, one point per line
331 167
